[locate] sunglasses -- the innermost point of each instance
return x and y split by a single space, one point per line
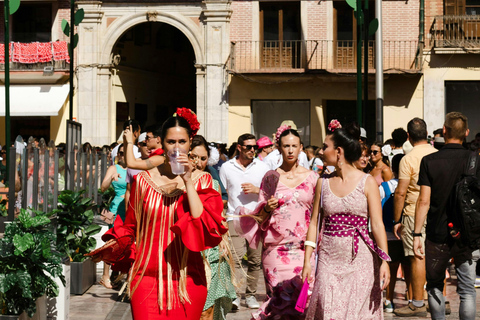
375 152
142 144
251 146
120 153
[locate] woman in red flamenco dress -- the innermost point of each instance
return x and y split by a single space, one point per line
171 218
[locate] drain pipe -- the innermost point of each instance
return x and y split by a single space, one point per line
379 72
421 35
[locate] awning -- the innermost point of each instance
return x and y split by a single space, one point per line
39 100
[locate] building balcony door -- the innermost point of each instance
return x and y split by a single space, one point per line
280 37
345 36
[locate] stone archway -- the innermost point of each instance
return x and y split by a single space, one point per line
210 42
121 25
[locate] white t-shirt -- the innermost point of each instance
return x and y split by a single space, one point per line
136 152
274 160
232 175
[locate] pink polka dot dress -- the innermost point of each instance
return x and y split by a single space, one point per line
347 283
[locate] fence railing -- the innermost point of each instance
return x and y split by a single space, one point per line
38 175
333 56
455 31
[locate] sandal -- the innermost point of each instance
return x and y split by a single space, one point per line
106 283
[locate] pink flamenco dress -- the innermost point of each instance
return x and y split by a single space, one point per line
347 284
283 235
167 275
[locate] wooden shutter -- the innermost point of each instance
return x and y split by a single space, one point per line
454 7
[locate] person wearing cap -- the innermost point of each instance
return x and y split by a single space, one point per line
136 132
363 135
274 159
265 146
153 142
131 173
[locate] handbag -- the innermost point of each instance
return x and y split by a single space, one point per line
113 250
302 297
107 216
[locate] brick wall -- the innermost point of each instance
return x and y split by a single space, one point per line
241 21
400 19
316 20
432 8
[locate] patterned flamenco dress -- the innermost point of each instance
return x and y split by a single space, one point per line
283 236
167 278
347 284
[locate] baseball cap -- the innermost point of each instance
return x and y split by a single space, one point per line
363 133
142 137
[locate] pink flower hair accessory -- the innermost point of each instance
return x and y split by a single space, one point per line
191 118
280 131
334 125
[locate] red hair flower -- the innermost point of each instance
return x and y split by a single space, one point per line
191 118
334 125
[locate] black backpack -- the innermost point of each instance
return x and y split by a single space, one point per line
467 204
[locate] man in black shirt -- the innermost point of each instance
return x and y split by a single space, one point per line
439 172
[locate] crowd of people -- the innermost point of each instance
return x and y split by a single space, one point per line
197 223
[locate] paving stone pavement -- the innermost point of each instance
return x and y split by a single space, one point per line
99 303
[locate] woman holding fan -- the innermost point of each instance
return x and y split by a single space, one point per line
280 221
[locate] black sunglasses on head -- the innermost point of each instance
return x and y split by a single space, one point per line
250 146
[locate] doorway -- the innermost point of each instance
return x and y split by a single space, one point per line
156 74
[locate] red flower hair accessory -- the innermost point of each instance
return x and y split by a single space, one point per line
280 131
334 125
191 118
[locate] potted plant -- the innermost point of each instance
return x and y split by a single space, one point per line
28 265
75 233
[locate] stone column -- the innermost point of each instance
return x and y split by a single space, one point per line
93 78
216 19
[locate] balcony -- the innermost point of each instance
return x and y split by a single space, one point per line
35 56
456 32
28 61
318 55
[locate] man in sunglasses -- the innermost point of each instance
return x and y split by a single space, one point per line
242 176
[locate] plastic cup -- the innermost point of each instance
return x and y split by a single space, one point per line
177 168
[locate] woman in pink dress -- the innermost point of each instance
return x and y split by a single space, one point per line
281 223
351 270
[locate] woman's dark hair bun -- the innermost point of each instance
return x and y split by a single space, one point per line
348 138
353 130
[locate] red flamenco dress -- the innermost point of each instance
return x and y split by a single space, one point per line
167 278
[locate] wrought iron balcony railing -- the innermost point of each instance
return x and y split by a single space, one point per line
455 31
328 55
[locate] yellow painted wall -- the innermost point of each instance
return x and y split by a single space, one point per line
58 124
403 99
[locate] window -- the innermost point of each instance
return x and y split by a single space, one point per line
280 34
461 7
32 22
267 115
463 96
